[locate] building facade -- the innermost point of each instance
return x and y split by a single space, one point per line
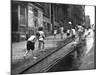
65 13
87 21
35 17
78 14
47 18
26 18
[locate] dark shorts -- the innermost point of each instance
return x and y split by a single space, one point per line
68 34
73 36
54 34
30 45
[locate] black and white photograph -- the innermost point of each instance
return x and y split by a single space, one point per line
52 37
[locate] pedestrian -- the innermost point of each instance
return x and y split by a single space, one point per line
89 36
41 38
68 33
31 44
73 33
61 32
80 32
55 33
27 35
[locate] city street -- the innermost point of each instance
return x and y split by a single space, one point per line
44 24
68 63
18 49
71 63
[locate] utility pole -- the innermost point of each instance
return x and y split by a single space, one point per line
26 18
52 16
18 22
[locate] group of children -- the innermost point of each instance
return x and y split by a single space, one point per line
40 36
69 33
85 37
30 45
61 32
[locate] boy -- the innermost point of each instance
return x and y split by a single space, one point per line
31 44
41 37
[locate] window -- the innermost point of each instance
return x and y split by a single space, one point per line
36 23
44 23
35 12
22 15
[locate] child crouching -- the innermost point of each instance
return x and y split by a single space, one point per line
31 44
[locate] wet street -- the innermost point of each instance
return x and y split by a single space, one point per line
66 64
69 63
50 37
64 59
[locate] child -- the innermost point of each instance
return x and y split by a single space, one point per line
31 44
41 37
73 33
68 33
61 32
80 32
55 32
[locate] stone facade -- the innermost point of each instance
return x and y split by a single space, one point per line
26 18
35 17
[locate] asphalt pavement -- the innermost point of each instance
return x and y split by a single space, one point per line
18 49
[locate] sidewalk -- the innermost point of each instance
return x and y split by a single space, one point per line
18 49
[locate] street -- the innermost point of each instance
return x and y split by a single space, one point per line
66 33
18 49
71 63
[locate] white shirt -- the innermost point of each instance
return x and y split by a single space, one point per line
32 38
41 35
55 31
68 31
80 29
73 30
61 29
